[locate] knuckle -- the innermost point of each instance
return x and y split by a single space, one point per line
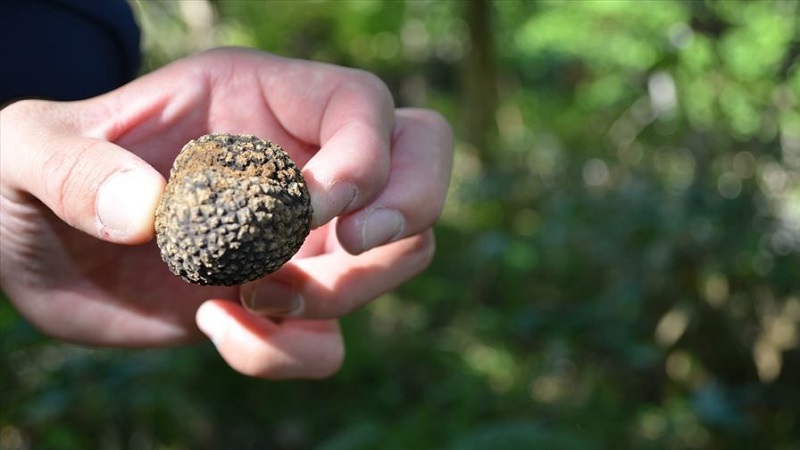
63 182
373 82
56 171
20 110
430 120
372 87
437 121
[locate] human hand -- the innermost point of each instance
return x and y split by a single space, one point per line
79 183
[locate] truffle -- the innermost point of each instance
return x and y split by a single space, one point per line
235 209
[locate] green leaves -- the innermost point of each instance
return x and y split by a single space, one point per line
622 271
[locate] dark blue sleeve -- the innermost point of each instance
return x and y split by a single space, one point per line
66 49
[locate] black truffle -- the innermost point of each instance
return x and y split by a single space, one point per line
235 209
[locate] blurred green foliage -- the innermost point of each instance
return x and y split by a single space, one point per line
618 263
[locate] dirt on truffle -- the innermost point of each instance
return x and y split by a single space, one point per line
235 209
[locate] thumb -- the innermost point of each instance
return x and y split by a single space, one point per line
91 184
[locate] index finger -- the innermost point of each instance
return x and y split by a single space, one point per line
349 115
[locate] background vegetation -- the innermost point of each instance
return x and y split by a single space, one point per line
618 263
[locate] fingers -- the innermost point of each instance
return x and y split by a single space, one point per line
352 164
259 347
344 116
91 184
321 287
388 169
412 199
334 284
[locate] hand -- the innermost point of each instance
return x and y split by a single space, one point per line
79 183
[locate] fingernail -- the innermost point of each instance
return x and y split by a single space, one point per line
211 321
327 205
273 299
381 226
126 203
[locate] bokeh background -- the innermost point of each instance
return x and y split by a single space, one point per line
618 262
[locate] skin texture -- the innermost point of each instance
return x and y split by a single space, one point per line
79 184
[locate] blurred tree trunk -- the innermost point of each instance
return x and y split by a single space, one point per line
480 80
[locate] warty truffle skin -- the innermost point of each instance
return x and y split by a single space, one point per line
235 209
